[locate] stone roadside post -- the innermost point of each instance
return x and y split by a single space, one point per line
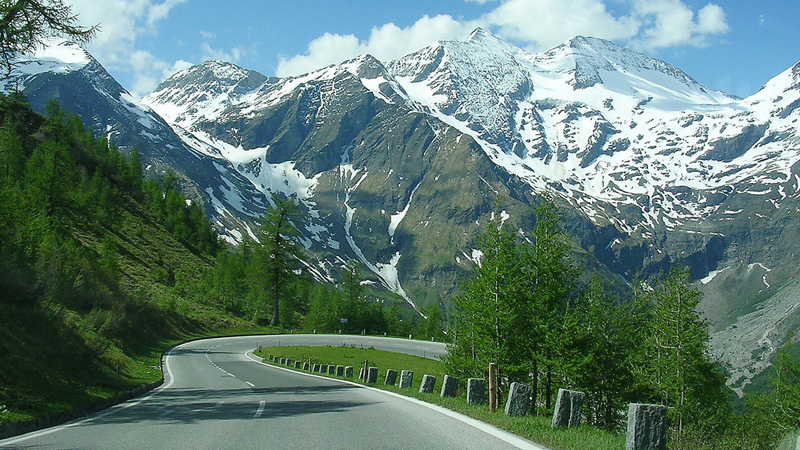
568 410
372 375
391 377
449 386
647 427
406 377
476 391
428 383
518 398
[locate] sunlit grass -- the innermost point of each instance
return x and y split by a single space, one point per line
536 429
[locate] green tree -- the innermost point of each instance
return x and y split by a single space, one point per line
280 250
11 151
774 414
487 309
674 363
432 326
513 311
26 25
604 337
549 282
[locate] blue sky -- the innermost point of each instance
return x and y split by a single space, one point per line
735 46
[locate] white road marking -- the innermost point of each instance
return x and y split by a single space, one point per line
111 410
260 409
250 384
503 435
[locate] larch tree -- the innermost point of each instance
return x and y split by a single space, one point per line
26 25
485 323
280 250
674 359
550 279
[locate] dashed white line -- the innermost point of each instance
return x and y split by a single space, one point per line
260 409
250 384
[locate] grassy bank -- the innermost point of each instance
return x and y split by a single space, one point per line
536 429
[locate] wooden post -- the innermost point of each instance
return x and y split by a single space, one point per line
492 388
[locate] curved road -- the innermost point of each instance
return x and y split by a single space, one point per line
216 395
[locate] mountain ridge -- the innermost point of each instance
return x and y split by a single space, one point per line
397 164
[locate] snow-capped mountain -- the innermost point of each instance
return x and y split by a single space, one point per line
655 167
399 165
81 85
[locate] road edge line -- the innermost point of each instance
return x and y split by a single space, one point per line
503 435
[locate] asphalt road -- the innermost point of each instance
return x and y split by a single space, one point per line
217 396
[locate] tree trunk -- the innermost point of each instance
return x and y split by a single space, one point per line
547 387
534 387
275 302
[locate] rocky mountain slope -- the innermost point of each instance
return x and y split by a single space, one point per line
82 86
399 165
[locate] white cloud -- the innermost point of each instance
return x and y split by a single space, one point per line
671 23
233 55
161 11
536 25
711 20
176 67
322 51
122 22
542 24
385 42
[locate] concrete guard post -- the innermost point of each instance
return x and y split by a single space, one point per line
647 427
372 375
476 391
428 383
406 377
391 377
449 386
348 372
339 371
518 398
568 410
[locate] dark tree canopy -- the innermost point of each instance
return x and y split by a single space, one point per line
27 24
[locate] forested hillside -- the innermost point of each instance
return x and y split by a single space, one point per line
102 270
97 266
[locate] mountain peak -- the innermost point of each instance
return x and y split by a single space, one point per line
55 56
479 34
588 59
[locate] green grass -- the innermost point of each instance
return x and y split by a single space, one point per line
56 356
536 429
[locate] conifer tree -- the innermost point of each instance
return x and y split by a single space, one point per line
486 324
604 337
674 361
550 279
26 25
11 151
280 250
